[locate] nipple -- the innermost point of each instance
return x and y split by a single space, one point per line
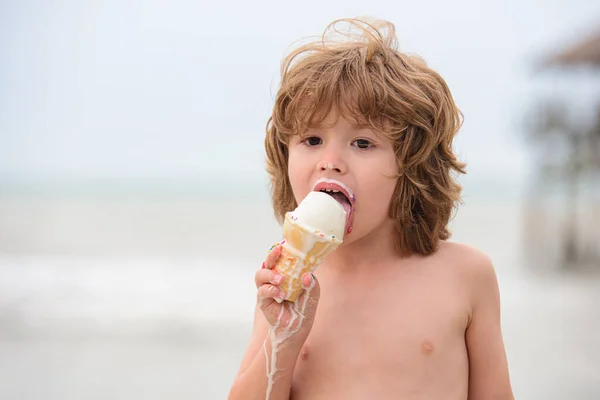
427 347
304 353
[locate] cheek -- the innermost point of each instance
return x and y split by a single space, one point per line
381 187
298 173
294 168
391 178
381 191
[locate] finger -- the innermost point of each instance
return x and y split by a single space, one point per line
267 294
264 276
277 244
272 258
311 286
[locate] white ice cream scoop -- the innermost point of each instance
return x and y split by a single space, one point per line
319 211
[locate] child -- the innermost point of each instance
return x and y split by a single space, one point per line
402 313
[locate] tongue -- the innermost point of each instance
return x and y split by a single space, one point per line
343 200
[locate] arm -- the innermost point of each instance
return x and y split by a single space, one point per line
251 380
488 368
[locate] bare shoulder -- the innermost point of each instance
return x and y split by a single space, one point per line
474 266
464 254
470 260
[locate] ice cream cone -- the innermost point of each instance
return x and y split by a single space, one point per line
304 249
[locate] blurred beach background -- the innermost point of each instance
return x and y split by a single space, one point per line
134 206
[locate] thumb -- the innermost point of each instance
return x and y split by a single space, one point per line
311 287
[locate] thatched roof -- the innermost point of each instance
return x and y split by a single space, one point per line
582 53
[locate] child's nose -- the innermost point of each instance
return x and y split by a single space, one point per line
333 157
327 166
332 163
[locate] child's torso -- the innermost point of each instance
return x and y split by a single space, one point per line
398 335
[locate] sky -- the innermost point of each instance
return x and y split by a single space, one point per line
181 90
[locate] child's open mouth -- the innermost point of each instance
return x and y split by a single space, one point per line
342 194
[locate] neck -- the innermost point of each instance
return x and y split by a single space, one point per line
375 248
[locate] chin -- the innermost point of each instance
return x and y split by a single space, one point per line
353 237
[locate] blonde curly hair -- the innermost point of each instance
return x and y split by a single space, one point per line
362 73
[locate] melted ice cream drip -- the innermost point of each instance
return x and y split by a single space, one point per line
297 314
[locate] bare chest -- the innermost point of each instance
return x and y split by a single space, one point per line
385 341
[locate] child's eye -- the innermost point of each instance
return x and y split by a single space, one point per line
313 141
363 144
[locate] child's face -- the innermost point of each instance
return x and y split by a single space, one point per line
359 159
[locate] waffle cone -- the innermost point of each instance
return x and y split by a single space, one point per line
304 249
